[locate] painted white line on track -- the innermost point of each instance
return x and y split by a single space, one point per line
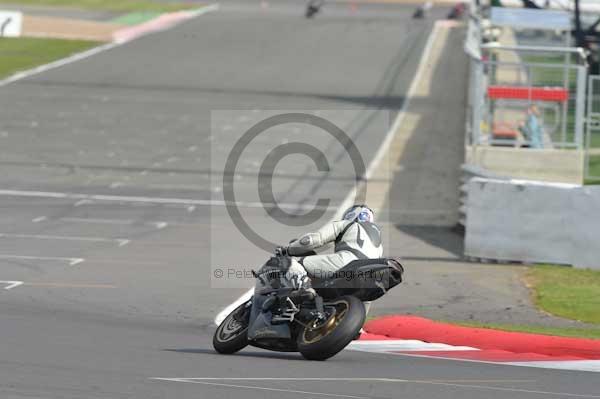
349 199
70 261
82 202
334 395
98 221
157 200
13 284
403 345
71 285
161 225
579 365
56 64
10 284
390 380
124 222
564 365
116 261
120 241
336 379
85 54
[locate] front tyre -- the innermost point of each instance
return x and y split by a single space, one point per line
232 334
320 340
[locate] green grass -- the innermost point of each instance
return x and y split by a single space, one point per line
544 58
594 170
595 140
109 5
553 74
18 54
567 292
593 333
134 18
563 291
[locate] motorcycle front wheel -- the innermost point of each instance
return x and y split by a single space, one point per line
322 339
232 334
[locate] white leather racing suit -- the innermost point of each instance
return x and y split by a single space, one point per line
353 240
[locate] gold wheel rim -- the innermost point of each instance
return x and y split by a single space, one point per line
312 335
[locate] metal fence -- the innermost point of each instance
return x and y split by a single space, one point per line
592 153
529 98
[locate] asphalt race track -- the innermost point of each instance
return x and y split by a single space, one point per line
119 287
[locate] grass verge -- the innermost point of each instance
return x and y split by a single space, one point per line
109 5
19 54
562 291
134 18
566 292
593 333
594 170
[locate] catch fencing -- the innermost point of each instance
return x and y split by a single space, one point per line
592 153
527 97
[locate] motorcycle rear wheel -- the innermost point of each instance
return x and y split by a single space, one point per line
320 340
232 334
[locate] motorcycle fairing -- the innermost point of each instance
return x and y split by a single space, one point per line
260 323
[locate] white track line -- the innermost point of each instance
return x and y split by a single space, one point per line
120 241
151 200
11 284
579 365
404 345
71 261
56 64
384 146
590 366
349 200
333 379
334 395
98 221
446 383
159 225
85 54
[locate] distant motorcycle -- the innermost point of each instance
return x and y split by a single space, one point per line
313 7
456 12
285 319
422 10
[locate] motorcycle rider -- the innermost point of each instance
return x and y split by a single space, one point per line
356 236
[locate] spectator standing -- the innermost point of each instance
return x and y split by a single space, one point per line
532 128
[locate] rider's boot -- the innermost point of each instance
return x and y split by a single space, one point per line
304 290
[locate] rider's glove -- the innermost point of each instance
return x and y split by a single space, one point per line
281 251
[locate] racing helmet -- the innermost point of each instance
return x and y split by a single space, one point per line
359 213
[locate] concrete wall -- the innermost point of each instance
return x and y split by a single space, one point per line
533 222
564 166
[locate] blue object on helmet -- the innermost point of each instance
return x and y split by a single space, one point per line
361 213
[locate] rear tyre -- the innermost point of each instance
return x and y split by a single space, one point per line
232 334
320 340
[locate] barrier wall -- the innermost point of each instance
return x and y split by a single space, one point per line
552 165
533 222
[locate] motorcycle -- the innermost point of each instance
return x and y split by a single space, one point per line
317 322
313 7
